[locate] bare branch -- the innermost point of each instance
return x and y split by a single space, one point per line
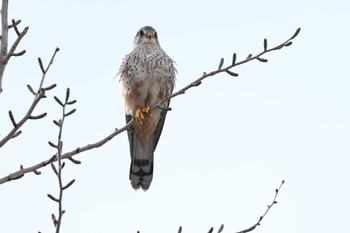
4 37
4 28
22 121
227 69
38 96
4 55
211 230
69 155
268 209
20 173
47 68
60 165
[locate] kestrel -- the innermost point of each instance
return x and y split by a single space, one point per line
147 77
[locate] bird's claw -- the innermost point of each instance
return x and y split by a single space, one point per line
147 111
141 113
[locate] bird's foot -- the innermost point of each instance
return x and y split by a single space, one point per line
141 113
147 111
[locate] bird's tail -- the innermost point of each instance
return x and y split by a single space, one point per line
141 167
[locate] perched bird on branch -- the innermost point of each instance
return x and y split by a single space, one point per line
147 77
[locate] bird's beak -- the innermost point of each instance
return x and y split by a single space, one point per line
149 34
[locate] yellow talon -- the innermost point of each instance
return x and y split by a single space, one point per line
147 111
140 114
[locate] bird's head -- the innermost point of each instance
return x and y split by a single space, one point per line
146 35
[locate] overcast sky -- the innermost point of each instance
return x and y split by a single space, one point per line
226 145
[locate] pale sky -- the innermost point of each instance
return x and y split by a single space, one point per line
226 145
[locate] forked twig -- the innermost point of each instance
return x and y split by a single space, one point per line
5 55
58 168
39 95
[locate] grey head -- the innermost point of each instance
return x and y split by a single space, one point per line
146 35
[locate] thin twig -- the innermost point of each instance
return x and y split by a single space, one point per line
69 155
47 68
16 23
267 210
221 228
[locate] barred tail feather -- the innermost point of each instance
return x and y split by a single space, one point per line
141 167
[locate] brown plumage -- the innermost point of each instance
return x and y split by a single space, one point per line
147 76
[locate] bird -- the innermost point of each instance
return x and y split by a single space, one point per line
147 77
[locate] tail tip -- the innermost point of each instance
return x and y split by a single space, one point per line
140 182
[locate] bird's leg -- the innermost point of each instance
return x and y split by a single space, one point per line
141 113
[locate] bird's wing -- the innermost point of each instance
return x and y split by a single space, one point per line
131 132
159 128
169 90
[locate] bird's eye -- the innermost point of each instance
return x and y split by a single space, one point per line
140 33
